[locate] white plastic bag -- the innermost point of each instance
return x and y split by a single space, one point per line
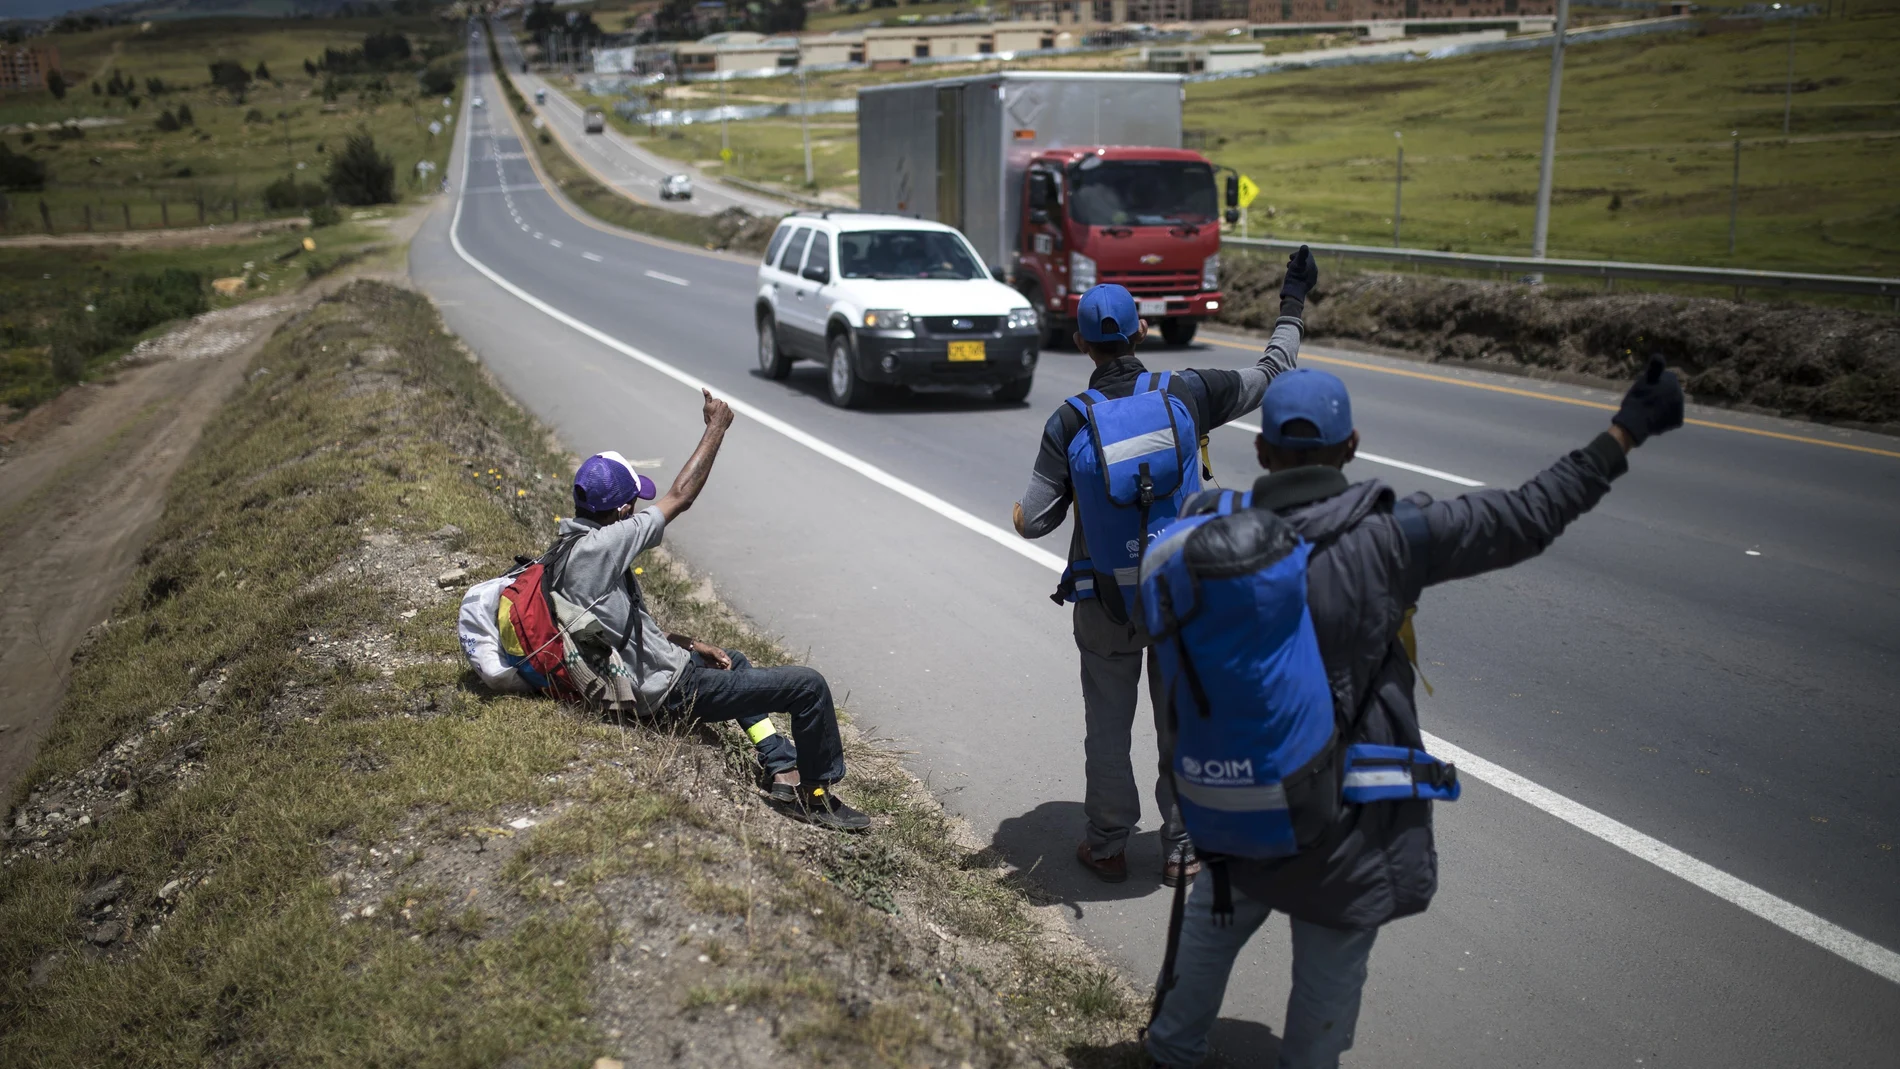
481 637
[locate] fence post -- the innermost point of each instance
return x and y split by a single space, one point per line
164 213
46 217
88 218
201 208
126 207
6 218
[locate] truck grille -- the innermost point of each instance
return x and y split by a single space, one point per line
961 324
1157 283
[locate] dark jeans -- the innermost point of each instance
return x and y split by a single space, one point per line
748 694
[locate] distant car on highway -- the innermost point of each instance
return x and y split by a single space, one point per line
478 102
890 301
595 121
676 187
540 96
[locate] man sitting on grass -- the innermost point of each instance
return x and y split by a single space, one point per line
683 678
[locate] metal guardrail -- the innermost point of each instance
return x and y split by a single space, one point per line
1607 270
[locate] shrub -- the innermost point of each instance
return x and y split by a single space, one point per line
156 86
263 73
184 115
438 78
325 214
361 175
385 49
255 116
287 192
167 122
120 312
19 171
56 84
229 76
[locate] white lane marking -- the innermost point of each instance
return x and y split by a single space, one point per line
1779 912
596 257
1783 914
556 242
1253 428
674 279
537 235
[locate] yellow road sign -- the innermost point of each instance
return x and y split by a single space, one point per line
725 154
1248 191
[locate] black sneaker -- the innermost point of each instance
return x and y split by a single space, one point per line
779 790
819 806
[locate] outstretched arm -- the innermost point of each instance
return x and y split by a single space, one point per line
1233 394
692 476
1491 529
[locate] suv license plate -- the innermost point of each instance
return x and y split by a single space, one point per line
962 351
1152 307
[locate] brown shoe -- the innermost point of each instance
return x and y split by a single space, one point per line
1111 869
1180 867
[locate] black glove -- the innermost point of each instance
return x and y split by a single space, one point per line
1653 405
1302 274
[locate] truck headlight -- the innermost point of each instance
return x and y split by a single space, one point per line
1210 273
886 319
1081 273
1022 319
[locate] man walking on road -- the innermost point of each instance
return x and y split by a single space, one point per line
1368 566
676 676
1110 638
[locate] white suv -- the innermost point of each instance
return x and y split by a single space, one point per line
884 300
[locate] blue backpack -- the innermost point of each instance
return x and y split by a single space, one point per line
1132 465
1259 766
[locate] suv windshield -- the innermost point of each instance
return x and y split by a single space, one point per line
904 254
1141 192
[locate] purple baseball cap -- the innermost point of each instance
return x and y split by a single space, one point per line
607 481
1107 313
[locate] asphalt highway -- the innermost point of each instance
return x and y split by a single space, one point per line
1677 845
622 163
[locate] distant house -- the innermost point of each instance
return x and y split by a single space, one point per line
735 52
898 46
1272 11
26 66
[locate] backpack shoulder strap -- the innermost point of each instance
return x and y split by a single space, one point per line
1418 544
1087 399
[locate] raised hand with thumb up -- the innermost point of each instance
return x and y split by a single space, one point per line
1652 405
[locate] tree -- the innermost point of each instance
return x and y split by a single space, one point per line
230 76
262 72
56 84
155 86
360 175
19 171
184 115
167 122
385 49
95 89
310 68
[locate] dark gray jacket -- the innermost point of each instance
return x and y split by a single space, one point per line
1378 862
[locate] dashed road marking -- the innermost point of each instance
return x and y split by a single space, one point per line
663 277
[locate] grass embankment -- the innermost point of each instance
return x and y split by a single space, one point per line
277 822
66 313
1644 158
731 230
237 143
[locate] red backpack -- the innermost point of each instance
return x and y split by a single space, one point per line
531 638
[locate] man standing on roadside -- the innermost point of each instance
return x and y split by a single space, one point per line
1110 638
1370 562
680 677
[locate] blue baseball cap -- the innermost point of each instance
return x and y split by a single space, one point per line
1108 314
607 481
1314 396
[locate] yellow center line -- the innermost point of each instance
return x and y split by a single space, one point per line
1448 380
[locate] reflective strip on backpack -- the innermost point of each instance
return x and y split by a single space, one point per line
1251 798
1126 576
1141 445
1377 773
1384 777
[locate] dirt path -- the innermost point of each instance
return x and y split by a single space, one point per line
82 481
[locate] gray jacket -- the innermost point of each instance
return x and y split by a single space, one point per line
1378 862
594 583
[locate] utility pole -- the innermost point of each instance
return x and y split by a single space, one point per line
1734 189
1787 108
1398 187
1540 233
804 124
725 145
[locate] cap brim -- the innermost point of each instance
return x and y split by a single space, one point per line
648 491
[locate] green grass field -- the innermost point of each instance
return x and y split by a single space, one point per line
1644 159
234 149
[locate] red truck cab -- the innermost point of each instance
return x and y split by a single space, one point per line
1145 218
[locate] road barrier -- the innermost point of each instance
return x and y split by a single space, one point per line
1607 270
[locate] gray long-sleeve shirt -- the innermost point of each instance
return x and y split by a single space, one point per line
1214 395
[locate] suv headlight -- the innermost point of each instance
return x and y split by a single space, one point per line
1081 273
886 319
1023 319
1210 273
